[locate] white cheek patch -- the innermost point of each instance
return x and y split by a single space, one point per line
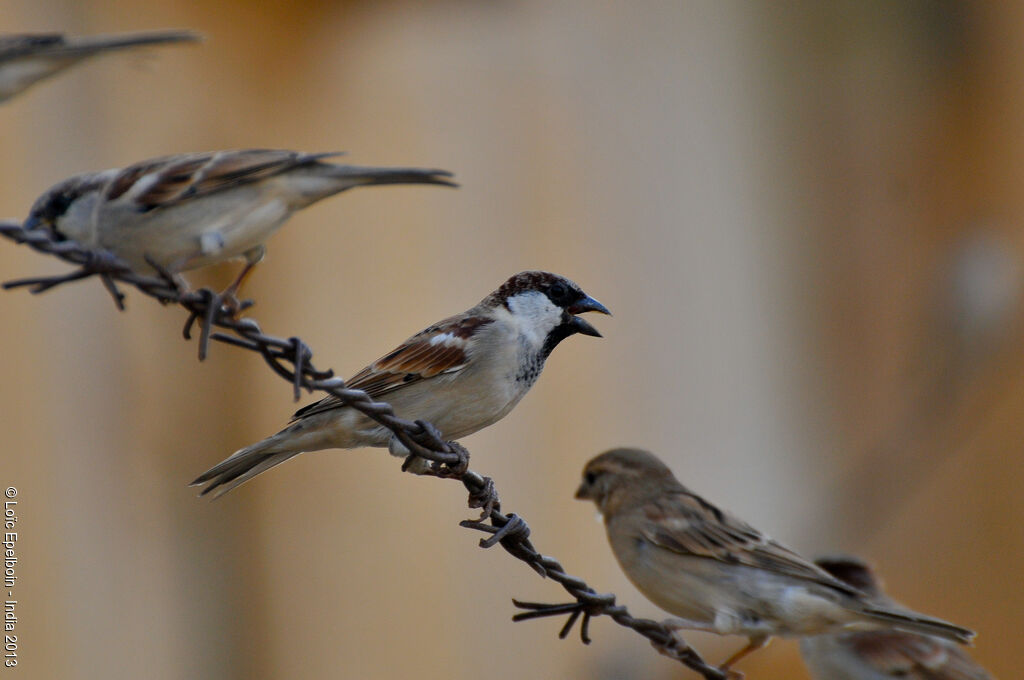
598 517
535 313
78 223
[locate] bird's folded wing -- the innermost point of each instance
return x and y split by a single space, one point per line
687 524
163 182
440 349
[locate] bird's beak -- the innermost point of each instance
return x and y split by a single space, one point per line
31 223
580 326
581 493
587 304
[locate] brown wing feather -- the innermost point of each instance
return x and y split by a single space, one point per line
199 174
174 180
685 523
914 657
419 358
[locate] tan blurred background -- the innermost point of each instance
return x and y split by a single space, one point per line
806 220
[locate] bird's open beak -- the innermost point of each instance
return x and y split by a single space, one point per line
587 304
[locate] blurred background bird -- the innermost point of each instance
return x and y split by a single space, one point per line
25 59
190 210
882 654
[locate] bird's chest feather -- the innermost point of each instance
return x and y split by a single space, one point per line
529 363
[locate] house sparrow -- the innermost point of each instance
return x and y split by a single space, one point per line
461 374
190 210
882 654
25 59
718 573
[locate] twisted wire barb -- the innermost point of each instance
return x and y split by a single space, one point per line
291 359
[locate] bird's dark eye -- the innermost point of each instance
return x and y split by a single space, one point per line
559 293
590 478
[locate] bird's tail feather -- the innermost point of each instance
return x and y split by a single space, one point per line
365 175
919 623
97 43
243 465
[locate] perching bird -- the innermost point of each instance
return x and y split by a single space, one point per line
882 654
461 374
719 574
25 59
190 210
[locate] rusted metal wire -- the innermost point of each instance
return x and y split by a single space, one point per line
291 359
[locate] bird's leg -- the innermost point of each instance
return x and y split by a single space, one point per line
753 645
229 298
174 280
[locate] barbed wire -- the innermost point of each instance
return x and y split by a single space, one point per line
291 359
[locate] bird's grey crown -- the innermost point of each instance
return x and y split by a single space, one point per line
527 281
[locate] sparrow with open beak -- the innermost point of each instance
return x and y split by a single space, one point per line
189 210
25 59
882 654
461 374
719 574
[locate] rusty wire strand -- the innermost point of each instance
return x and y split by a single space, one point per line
292 360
